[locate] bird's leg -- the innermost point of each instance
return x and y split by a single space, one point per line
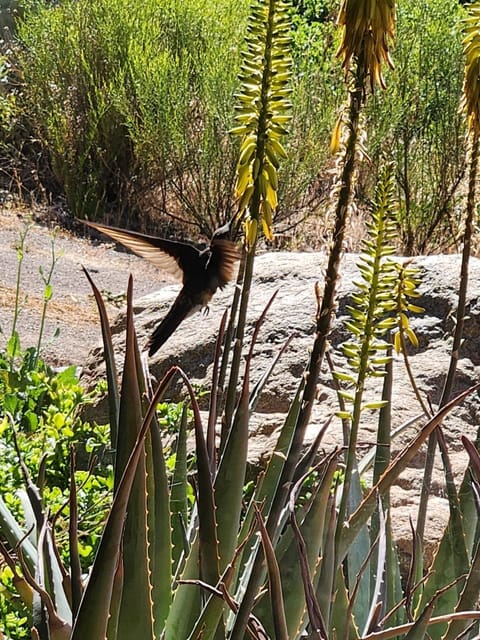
206 310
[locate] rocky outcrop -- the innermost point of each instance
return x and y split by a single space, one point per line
293 277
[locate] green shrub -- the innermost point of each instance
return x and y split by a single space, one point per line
318 93
7 99
127 98
132 105
40 424
74 61
417 123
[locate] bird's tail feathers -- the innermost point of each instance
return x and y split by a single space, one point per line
181 308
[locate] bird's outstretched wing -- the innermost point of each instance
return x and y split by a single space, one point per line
168 255
224 256
201 272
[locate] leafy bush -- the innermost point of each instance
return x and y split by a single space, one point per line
7 100
42 406
138 102
317 95
9 114
417 123
127 98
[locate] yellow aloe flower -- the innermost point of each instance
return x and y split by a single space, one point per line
367 26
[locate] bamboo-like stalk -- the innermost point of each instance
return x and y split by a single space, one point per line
471 107
323 326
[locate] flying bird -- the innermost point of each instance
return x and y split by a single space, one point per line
201 271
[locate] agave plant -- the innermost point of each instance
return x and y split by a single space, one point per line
293 558
179 571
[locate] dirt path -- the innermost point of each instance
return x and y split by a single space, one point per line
72 310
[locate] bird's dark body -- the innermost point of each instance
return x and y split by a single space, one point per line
202 271
201 281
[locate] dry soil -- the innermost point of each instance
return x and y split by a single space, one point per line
71 313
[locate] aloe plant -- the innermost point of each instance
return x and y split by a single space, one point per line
293 558
470 107
103 606
262 115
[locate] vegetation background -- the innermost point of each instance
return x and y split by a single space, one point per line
123 113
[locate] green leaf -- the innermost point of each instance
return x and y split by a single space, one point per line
13 345
97 603
186 604
110 365
178 492
48 293
312 522
274 581
14 534
231 476
374 405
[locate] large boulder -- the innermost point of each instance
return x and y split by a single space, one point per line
293 277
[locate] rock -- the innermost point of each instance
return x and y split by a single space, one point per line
293 276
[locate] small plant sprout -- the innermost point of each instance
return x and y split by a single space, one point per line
13 346
48 289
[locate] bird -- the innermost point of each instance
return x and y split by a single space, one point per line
201 271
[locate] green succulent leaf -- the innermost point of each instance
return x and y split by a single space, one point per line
374 405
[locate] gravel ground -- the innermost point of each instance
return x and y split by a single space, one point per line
72 310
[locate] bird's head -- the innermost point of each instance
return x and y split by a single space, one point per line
222 233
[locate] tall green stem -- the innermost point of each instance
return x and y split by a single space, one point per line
323 325
457 337
47 296
238 345
13 345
